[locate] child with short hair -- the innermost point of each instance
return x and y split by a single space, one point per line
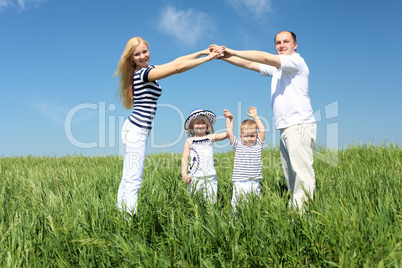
200 173
247 169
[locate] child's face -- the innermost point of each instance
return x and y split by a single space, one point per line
249 136
200 128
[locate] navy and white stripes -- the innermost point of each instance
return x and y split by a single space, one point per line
247 161
145 97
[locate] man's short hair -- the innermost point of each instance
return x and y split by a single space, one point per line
291 33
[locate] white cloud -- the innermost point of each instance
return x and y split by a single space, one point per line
58 113
188 26
5 3
21 4
50 109
257 8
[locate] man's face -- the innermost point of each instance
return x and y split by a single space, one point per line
284 44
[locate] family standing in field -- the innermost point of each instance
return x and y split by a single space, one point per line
293 115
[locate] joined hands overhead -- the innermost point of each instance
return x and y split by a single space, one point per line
220 51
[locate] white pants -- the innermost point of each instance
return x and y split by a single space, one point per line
242 188
208 186
135 141
297 147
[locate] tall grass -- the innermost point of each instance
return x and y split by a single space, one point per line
61 212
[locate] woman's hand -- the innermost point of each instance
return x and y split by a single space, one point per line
219 50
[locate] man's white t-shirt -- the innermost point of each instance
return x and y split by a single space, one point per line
289 91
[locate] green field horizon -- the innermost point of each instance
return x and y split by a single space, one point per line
61 212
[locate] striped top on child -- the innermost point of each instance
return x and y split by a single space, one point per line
247 160
145 97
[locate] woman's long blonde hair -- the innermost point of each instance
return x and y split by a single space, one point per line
125 70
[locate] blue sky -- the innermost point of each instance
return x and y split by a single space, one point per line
57 59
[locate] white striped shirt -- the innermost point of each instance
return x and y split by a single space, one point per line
145 97
247 160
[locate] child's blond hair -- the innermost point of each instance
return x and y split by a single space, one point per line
248 123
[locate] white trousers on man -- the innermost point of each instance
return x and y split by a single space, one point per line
135 141
297 148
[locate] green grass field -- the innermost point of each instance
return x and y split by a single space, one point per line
60 212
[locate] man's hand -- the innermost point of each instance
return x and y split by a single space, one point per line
219 50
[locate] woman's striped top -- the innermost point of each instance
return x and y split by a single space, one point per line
145 97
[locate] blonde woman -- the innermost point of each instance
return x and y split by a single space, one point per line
139 91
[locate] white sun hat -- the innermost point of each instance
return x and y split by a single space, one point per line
196 112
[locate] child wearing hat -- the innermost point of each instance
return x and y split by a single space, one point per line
200 173
247 170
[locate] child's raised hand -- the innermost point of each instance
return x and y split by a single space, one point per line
227 114
252 112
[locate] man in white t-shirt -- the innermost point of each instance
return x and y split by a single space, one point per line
291 107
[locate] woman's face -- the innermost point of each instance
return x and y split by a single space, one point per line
140 56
